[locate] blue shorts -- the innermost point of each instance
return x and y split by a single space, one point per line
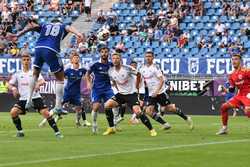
48 56
72 99
99 96
228 96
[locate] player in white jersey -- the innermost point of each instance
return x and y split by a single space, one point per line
154 79
19 84
122 77
143 98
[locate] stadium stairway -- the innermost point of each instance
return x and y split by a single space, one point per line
85 27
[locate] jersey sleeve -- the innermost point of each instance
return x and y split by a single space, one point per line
13 79
158 72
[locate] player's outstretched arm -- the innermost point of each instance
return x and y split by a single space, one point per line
74 31
29 27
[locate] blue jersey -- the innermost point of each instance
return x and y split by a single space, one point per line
101 77
74 77
228 95
51 36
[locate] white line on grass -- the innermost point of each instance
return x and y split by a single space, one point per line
124 152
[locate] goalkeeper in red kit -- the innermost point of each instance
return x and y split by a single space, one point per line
240 80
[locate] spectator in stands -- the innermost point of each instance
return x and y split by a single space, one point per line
183 40
184 8
245 30
151 18
87 9
150 34
137 3
197 7
235 10
147 4
3 86
120 47
226 8
111 16
30 5
219 28
132 29
210 42
14 50
6 14
25 49
54 5
168 37
171 4
161 14
157 34
202 42
114 29
142 26
225 41
101 18
244 8
174 24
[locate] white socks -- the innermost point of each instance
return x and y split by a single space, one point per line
59 94
94 117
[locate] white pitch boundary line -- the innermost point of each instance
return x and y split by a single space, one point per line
124 152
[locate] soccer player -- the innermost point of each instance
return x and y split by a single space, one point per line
240 79
72 93
21 79
99 82
122 77
47 50
154 79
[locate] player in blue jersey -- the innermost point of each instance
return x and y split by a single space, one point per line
98 81
72 90
47 50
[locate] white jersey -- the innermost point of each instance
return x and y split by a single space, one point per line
124 79
151 75
22 80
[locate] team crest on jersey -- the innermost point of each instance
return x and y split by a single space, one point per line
240 76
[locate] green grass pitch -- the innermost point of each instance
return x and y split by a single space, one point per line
133 147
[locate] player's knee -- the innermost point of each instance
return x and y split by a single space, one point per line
14 112
78 109
149 110
45 113
171 108
224 107
137 110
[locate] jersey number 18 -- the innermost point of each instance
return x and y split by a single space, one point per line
52 30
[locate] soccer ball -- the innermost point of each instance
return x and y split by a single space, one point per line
103 35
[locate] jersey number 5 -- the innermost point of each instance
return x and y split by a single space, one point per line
52 30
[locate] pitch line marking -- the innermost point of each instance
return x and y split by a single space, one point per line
124 152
